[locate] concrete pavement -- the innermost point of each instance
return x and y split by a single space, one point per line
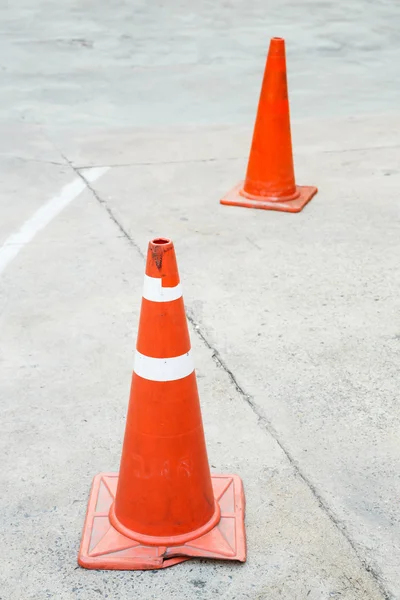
294 318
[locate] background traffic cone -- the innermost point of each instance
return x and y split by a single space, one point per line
164 506
270 182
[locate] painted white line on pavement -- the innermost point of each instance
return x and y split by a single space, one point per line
44 215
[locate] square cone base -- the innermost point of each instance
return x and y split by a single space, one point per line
234 198
103 547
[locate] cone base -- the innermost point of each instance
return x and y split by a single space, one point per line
234 198
103 547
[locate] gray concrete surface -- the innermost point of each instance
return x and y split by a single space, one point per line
294 318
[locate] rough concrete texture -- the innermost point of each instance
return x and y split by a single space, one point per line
294 318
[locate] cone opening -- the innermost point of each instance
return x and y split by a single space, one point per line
160 241
278 39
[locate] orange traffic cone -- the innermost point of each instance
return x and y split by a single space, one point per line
164 506
270 182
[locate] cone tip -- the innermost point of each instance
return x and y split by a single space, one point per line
277 46
160 241
161 261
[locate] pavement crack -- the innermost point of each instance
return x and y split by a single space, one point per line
113 217
38 160
104 204
360 149
154 163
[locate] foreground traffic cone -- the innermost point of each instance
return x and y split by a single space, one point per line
164 506
270 182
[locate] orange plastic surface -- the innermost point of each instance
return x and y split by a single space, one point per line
270 181
236 198
164 486
161 262
164 504
103 547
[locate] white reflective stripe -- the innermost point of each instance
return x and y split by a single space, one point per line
163 369
154 291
